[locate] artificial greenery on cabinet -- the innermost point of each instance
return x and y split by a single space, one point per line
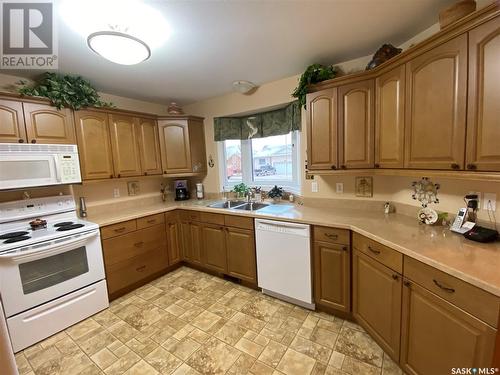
314 73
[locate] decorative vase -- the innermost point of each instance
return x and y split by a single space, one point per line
174 109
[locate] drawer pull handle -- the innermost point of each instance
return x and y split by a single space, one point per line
139 244
151 221
140 269
376 252
446 289
118 230
332 236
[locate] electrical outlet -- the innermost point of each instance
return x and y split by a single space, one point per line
490 201
314 186
479 198
339 187
116 193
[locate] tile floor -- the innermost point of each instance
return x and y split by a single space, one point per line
188 322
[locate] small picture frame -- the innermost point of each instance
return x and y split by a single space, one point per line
364 187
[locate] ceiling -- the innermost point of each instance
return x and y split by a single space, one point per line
214 43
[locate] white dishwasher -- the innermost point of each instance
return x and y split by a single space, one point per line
284 261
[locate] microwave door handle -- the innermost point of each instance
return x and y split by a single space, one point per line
57 166
49 250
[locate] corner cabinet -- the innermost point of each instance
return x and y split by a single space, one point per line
483 122
436 104
322 130
182 145
356 129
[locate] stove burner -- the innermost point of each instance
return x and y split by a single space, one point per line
71 226
63 224
12 235
16 239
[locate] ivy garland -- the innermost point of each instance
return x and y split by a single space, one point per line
313 74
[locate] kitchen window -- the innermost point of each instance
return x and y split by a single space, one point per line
265 161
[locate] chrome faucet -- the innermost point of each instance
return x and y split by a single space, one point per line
250 194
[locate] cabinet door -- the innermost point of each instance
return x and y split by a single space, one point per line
214 247
94 146
438 336
191 242
46 124
197 146
173 242
356 125
149 146
174 145
322 130
241 260
483 122
436 99
376 301
390 119
332 275
125 146
12 122
185 233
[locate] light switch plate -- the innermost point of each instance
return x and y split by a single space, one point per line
314 186
490 198
339 188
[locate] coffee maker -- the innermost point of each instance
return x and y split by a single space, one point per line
181 190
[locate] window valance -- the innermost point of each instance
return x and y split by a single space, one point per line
265 124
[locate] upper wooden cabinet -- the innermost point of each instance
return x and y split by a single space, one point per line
125 145
436 104
322 130
390 119
46 124
182 145
356 130
12 122
483 122
149 146
94 146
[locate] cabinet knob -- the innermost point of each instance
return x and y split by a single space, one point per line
145 173
471 166
343 167
407 284
110 176
344 248
377 165
395 277
455 166
164 172
20 140
118 175
334 167
33 141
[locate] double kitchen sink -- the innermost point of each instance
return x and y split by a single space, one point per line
239 205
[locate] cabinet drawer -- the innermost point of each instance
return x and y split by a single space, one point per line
118 229
207 217
332 235
133 244
238 222
150 220
130 271
385 255
190 216
475 301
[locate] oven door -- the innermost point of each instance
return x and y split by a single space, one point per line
25 170
42 272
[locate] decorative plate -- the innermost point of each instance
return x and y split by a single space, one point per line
428 216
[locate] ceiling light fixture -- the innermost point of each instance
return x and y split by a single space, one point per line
243 87
119 47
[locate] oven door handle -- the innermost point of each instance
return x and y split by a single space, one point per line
49 250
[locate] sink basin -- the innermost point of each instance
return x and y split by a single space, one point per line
251 206
227 204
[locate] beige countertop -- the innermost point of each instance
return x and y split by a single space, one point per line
476 263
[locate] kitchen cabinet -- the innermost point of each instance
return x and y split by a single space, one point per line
182 145
241 260
438 336
322 130
483 121
125 145
214 247
12 127
191 242
149 146
390 118
376 301
332 269
356 125
47 124
173 240
436 103
94 144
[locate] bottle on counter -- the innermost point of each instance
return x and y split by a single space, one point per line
200 194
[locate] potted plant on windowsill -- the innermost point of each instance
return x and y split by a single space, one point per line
240 190
276 193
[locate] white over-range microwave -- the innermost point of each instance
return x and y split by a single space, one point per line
25 165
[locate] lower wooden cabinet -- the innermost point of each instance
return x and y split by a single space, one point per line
376 301
241 259
214 247
191 242
173 240
332 275
438 336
